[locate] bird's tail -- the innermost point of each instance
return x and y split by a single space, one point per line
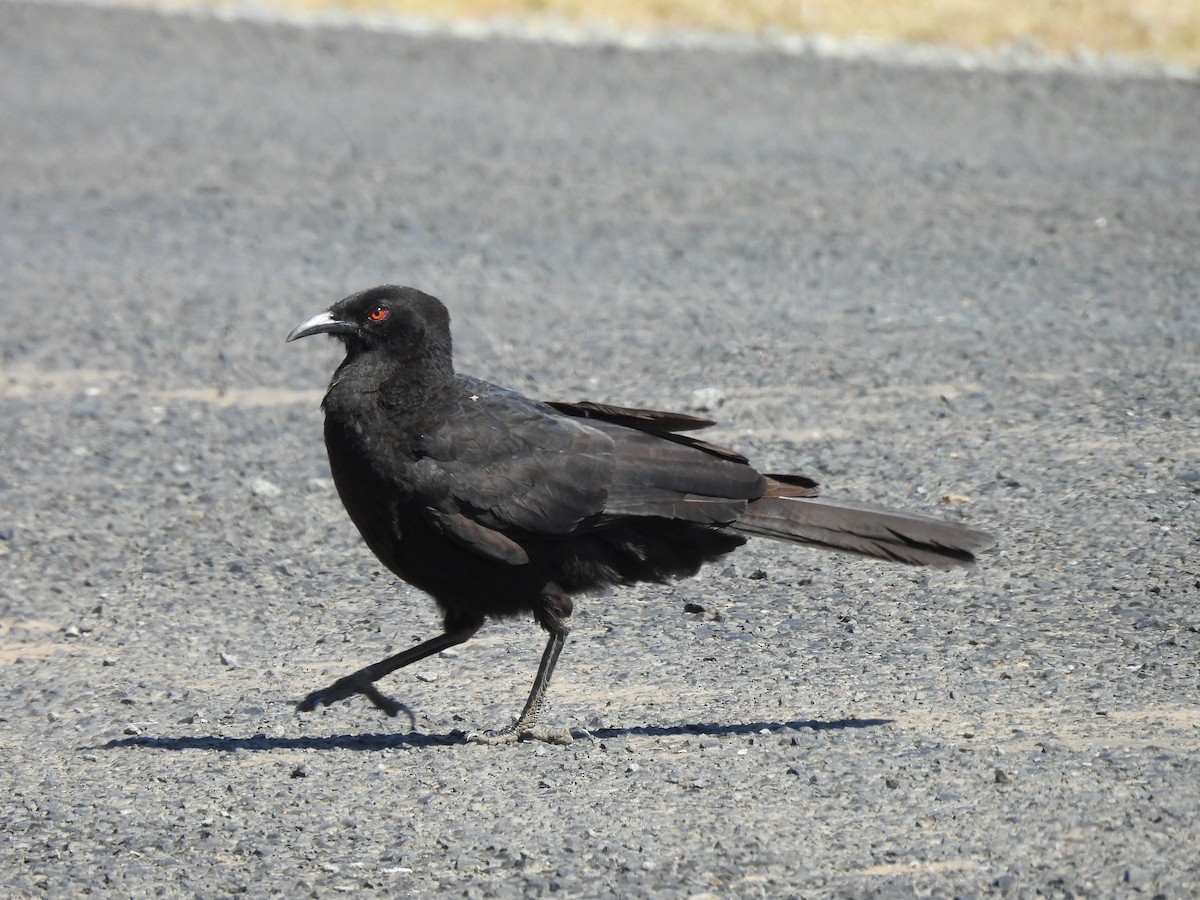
861 528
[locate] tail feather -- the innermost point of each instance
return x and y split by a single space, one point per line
861 528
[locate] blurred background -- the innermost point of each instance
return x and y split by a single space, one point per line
1163 29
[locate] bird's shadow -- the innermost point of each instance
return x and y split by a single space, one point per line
419 740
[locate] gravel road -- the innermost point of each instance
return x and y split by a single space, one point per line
971 293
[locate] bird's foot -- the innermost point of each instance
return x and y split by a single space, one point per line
493 738
348 687
517 732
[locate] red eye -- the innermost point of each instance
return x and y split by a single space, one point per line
378 314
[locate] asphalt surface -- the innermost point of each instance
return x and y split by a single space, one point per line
972 293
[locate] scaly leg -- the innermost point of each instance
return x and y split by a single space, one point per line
363 681
554 617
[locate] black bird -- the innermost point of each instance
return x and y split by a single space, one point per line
496 505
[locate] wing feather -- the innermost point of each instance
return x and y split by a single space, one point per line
501 467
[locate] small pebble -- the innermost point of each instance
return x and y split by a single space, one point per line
706 399
260 487
1137 877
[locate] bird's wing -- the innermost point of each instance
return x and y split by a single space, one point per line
501 464
643 419
500 467
666 425
468 533
675 477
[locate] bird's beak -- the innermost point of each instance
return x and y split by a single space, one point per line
322 323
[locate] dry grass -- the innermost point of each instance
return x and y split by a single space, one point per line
1162 29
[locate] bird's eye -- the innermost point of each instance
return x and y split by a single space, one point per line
378 314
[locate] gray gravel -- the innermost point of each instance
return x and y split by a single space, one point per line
969 292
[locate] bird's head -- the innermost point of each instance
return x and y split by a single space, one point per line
401 322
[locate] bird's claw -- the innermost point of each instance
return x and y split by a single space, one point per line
348 686
493 738
516 732
327 696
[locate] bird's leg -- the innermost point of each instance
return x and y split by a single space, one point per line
537 695
555 619
363 681
524 727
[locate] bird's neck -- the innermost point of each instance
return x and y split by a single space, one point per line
371 380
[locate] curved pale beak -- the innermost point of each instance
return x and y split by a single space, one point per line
322 323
